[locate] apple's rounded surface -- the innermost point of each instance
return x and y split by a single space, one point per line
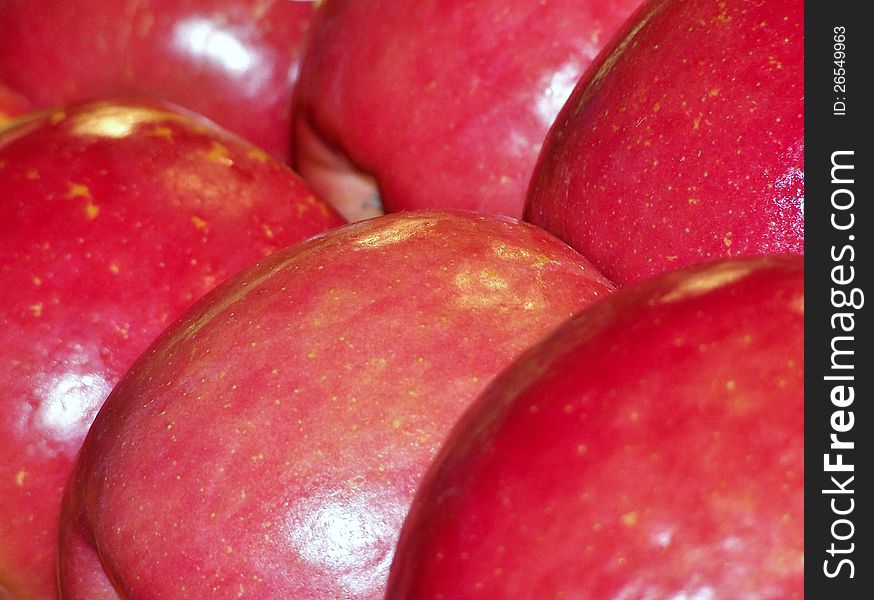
235 61
653 447
114 218
684 143
422 105
268 444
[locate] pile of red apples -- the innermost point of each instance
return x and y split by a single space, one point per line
402 299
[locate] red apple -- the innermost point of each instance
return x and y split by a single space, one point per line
12 104
685 142
269 443
651 448
114 218
439 104
235 61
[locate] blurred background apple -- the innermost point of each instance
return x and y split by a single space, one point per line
12 104
235 61
404 105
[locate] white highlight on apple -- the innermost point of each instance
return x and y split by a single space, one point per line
705 593
561 83
343 535
70 403
662 538
202 37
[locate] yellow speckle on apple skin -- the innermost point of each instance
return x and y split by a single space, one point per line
91 210
78 190
219 153
629 519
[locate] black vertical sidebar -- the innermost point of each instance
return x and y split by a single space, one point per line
839 561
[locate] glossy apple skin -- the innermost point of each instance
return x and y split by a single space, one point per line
270 442
114 218
235 61
12 104
650 448
684 143
439 104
